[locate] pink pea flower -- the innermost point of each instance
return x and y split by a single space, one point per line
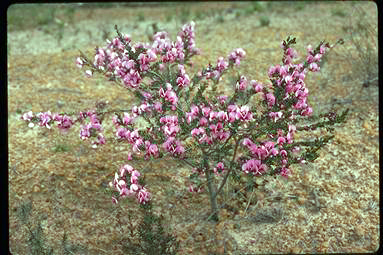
236 56
197 131
275 115
194 110
85 132
222 116
158 106
153 150
244 113
27 116
79 62
128 120
134 188
232 117
307 112
138 145
134 176
100 139
241 84
285 172
122 133
64 122
283 153
222 99
143 196
173 146
247 142
88 73
126 168
45 119
281 140
270 99
314 67
203 122
171 96
183 81
206 111
222 64
219 168
256 86
171 130
254 166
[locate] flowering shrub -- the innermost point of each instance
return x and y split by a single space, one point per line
217 135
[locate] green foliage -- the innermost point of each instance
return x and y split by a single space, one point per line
169 18
339 13
257 7
36 240
264 21
185 14
140 17
363 31
220 19
151 235
61 148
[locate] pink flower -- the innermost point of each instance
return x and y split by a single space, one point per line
153 150
241 84
270 99
128 120
206 111
134 188
219 168
27 116
285 172
307 112
173 146
244 113
143 196
126 168
281 140
171 96
88 73
64 122
247 142
222 64
222 116
45 119
194 110
254 166
79 62
236 56
134 176
314 67
122 133
197 131
256 86
203 121
275 115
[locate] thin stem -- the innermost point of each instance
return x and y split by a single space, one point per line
156 74
212 194
229 171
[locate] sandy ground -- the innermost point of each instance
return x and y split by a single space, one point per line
336 209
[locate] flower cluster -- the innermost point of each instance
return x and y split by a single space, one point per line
156 73
129 186
46 119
